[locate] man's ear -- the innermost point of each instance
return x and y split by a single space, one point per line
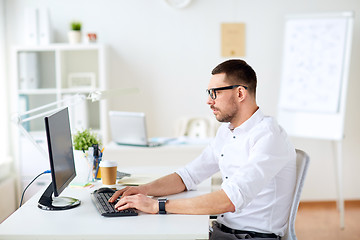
242 94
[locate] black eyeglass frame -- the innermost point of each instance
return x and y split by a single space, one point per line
212 91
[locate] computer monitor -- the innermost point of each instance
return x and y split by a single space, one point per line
62 164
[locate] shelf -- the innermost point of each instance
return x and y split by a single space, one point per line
52 73
38 91
59 46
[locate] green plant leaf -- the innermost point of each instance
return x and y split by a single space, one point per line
76 26
84 139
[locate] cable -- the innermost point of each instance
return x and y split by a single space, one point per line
22 196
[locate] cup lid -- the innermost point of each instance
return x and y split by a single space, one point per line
107 163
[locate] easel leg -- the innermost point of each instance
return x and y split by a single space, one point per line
337 146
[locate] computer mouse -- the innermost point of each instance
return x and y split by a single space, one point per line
105 190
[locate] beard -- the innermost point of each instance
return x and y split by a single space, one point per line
224 117
227 116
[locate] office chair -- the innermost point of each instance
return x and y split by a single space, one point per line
302 164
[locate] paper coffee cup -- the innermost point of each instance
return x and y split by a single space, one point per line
108 172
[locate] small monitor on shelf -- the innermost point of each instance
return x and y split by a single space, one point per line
62 164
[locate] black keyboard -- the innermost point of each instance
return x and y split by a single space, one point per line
107 209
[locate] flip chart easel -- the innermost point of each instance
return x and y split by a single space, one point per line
315 73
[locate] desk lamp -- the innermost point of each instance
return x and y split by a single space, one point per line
20 118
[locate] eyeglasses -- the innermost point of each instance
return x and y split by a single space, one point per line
212 91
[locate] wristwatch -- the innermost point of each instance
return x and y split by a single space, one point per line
162 202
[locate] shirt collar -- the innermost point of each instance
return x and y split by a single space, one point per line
250 123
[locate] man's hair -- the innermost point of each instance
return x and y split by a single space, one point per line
238 72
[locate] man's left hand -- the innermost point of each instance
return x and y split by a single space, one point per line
138 201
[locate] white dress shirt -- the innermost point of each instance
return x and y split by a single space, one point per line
258 168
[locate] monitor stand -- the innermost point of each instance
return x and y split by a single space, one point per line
46 202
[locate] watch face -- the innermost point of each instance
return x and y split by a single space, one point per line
162 202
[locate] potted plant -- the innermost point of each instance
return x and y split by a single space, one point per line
82 140
85 139
75 33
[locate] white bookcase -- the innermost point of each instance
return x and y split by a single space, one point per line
46 74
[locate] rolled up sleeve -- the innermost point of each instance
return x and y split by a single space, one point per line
233 192
200 169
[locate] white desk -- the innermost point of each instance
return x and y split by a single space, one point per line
84 221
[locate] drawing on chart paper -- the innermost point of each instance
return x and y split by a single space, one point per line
313 62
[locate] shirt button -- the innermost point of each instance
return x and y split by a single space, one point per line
234 137
222 155
222 215
226 177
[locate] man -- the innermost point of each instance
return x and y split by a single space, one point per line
253 154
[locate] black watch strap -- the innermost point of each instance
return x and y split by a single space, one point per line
162 202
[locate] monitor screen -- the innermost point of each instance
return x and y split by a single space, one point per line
61 158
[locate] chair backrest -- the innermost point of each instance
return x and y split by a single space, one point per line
196 127
302 164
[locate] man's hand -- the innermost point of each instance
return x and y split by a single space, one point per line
127 191
136 197
138 201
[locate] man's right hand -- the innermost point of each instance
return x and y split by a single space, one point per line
127 191
164 186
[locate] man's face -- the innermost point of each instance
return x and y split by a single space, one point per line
224 106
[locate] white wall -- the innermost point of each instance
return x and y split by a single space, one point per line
169 54
3 93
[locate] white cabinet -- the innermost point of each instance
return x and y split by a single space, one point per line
51 73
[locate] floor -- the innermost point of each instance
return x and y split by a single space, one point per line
320 220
